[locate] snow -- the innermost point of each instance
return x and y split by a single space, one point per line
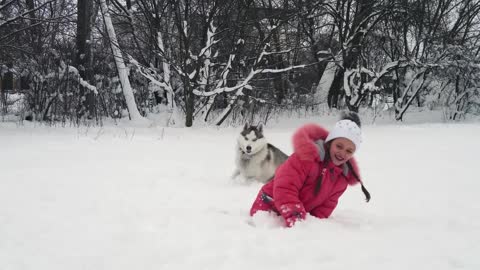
120 197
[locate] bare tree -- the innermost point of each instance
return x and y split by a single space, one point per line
85 14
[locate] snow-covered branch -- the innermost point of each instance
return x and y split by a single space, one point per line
266 53
150 74
350 74
279 70
463 94
210 41
412 96
81 81
360 87
166 73
263 53
245 82
206 55
362 27
407 89
64 69
279 52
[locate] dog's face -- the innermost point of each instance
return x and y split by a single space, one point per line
251 139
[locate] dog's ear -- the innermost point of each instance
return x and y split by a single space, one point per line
246 126
260 127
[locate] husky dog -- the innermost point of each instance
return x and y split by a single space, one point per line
256 159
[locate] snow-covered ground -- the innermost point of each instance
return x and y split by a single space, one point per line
161 198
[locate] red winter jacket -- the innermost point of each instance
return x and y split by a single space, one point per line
292 191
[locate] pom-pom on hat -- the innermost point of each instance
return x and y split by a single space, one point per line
348 127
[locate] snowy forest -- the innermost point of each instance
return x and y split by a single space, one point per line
123 125
217 61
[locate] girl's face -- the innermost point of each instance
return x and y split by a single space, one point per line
341 150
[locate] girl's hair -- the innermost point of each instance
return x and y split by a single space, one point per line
364 190
318 185
352 116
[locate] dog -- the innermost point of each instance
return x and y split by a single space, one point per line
256 159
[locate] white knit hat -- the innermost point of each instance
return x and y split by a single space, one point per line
346 129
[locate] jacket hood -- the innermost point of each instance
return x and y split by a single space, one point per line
308 144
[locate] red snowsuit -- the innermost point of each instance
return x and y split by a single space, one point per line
291 193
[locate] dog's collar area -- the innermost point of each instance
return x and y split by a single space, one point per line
245 155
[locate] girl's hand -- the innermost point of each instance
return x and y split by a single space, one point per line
292 213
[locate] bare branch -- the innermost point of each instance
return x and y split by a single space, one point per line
6 5
18 31
25 13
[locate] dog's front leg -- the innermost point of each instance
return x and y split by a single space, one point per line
235 174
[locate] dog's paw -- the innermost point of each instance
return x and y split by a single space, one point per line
236 178
235 174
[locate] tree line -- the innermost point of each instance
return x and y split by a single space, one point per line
218 60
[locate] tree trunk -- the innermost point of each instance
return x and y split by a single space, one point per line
335 88
36 31
183 25
351 54
83 64
326 80
121 68
189 101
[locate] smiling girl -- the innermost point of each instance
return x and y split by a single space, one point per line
318 172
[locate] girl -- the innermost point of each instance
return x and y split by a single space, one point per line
318 172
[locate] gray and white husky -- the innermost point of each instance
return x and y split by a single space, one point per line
256 159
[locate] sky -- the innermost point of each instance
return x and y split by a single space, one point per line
121 197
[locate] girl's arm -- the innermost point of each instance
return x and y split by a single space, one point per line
289 179
326 209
